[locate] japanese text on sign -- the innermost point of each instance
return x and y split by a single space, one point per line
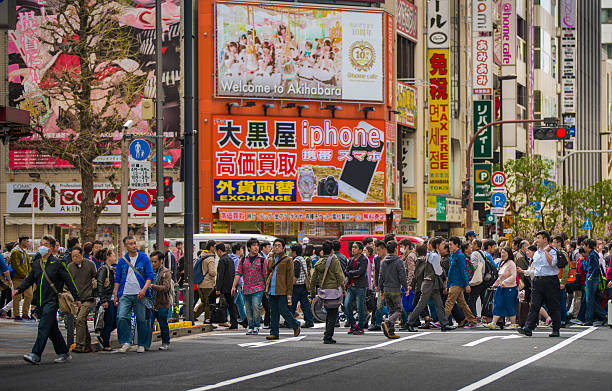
254 190
406 104
438 27
140 174
482 74
439 135
483 115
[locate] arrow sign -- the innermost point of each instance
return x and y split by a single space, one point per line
587 224
485 339
262 344
498 200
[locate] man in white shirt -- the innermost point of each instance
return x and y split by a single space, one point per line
546 288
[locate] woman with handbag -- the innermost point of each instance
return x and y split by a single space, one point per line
329 279
506 292
104 291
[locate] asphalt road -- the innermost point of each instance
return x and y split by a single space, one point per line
457 360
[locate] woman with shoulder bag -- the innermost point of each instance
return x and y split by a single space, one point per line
104 291
329 277
506 292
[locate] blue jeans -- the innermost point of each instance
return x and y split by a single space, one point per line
252 303
161 315
562 305
359 295
381 309
110 323
239 301
593 309
48 329
300 295
127 303
279 306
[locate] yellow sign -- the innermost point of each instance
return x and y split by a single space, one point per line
220 227
439 134
406 104
409 205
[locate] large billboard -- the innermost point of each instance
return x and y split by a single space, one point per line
31 60
439 124
266 50
298 160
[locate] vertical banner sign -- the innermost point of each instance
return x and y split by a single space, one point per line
482 16
508 34
406 104
390 60
482 75
439 135
568 54
407 20
483 114
438 27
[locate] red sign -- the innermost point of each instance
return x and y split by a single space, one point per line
407 19
498 179
298 160
141 200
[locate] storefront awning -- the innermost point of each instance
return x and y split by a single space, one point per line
75 220
310 215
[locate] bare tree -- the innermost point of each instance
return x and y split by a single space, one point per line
94 89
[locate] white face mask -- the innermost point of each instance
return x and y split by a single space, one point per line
402 250
43 250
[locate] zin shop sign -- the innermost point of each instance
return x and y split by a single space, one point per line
65 198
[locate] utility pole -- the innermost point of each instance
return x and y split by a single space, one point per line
468 175
159 120
125 181
188 153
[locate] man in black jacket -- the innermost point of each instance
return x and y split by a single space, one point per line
46 300
225 281
356 271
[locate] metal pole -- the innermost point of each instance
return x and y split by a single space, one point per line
468 175
125 183
188 158
500 129
159 140
562 159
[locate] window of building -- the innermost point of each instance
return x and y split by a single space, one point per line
521 94
405 58
521 28
537 101
608 48
606 16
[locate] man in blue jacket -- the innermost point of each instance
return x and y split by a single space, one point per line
133 277
457 282
593 272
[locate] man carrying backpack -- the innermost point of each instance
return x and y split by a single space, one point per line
204 274
563 265
252 270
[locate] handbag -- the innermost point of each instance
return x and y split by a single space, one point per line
331 298
66 301
147 299
478 273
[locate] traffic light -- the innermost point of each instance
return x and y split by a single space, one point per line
465 195
168 193
552 133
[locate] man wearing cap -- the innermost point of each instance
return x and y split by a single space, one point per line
470 236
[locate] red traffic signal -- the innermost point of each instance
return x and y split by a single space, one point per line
551 133
561 133
168 191
167 181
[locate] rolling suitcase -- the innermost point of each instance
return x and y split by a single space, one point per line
523 311
610 313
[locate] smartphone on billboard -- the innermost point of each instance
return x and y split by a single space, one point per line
356 176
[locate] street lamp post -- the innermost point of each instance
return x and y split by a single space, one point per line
468 174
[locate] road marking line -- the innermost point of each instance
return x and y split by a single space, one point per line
301 363
508 370
485 339
265 343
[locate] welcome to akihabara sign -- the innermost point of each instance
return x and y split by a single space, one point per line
306 52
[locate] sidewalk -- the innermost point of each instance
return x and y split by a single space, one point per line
17 338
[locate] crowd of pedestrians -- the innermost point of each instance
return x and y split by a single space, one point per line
382 285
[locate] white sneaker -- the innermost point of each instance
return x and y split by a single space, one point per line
124 348
62 358
164 346
141 349
255 331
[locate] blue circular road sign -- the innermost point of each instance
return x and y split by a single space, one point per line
498 200
141 200
140 149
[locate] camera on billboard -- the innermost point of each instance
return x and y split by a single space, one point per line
328 187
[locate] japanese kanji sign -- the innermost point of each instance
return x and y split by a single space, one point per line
482 65
439 132
483 145
406 104
140 174
438 24
297 160
302 215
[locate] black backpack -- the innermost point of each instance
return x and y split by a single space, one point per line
561 259
490 272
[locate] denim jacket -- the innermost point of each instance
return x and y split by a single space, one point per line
143 265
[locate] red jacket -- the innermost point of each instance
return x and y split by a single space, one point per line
581 271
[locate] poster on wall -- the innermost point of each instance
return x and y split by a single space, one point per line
439 132
287 52
30 59
298 160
